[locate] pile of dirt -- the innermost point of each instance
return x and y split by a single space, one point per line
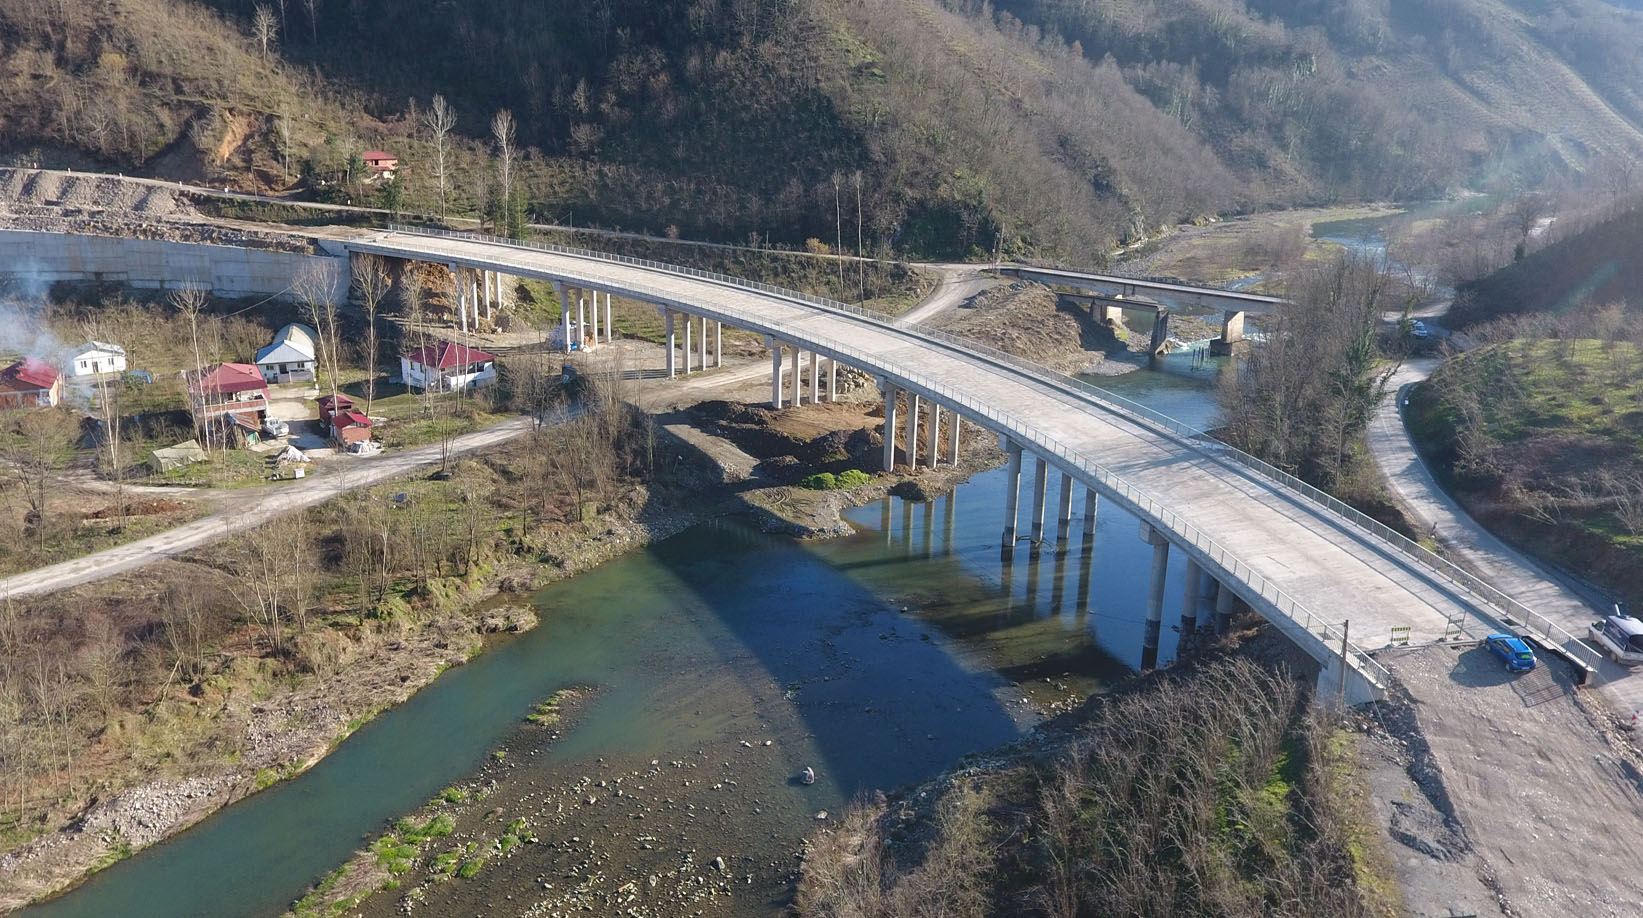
1029 320
151 507
795 442
91 193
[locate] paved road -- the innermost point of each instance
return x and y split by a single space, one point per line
1429 506
260 505
1333 569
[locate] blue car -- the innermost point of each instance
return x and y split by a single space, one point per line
1512 651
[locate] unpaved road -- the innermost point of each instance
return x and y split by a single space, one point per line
1552 809
257 506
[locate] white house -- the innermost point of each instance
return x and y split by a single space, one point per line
95 358
447 366
290 358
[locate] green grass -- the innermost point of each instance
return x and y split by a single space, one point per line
547 713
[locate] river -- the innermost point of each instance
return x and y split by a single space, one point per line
700 643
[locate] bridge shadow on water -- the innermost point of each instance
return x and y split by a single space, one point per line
717 634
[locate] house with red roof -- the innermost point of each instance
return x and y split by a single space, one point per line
30 383
332 405
446 366
232 393
382 165
349 427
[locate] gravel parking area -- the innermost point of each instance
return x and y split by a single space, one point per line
1528 795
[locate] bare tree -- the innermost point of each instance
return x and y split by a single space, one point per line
265 27
190 301
312 6
108 398
35 449
371 279
282 131
502 131
316 286
440 120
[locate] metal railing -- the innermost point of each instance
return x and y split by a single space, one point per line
1509 610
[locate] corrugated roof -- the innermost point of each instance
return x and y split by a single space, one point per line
31 374
227 379
291 344
445 355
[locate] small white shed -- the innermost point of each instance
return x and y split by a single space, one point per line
95 358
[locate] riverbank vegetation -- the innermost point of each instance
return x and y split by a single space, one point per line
1304 395
1540 437
1213 789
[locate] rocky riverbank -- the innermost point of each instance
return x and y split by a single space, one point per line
276 733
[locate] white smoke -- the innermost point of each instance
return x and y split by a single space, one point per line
24 290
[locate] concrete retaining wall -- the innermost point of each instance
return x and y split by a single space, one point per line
44 258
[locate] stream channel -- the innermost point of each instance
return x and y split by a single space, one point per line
879 659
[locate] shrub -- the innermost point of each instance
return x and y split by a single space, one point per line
853 478
822 481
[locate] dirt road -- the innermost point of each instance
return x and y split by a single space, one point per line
255 507
1550 808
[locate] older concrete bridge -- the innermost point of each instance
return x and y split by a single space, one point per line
1250 534
1111 293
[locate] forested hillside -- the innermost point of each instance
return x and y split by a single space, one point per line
1595 267
1052 126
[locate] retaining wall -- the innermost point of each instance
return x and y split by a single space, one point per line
154 264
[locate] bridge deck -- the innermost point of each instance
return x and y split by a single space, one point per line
1336 571
1179 294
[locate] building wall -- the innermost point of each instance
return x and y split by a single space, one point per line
107 363
158 265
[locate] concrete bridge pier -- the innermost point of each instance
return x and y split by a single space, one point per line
932 452
1225 602
718 338
889 424
775 371
1160 332
832 379
1092 503
798 355
815 378
953 451
1155 595
1041 478
1064 515
593 314
1190 600
610 330
912 430
1012 494
667 321
562 293
688 322
701 344
1232 332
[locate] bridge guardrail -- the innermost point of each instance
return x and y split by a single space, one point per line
1205 442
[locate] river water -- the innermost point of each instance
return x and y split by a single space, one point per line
878 659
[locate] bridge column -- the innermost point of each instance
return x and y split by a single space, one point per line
1155 594
1110 315
560 291
1041 476
582 323
610 330
687 323
1160 332
797 370
957 420
718 343
815 378
486 275
593 318
703 345
775 371
461 297
889 424
667 318
1012 494
932 451
1064 514
912 430
832 379
1232 331
1190 598
1225 600
1092 503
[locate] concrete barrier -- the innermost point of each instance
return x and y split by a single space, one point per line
28 257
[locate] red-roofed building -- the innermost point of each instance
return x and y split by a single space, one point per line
235 389
382 165
447 366
349 427
330 406
30 383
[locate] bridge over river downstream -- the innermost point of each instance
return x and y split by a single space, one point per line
1312 567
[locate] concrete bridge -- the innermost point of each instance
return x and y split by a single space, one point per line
1250 535
1111 293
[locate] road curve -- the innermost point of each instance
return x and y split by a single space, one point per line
1277 538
